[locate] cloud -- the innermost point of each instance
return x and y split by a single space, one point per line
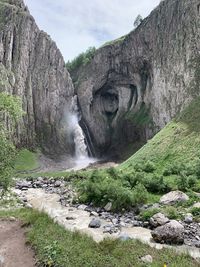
76 25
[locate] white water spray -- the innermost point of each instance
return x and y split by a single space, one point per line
82 158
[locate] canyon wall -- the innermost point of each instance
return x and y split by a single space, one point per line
32 67
135 85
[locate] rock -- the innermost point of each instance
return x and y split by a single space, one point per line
170 233
57 184
188 218
95 223
36 72
106 84
124 237
12 219
196 205
158 219
108 206
93 213
2 260
69 218
147 259
82 207
136 223
29 206
173 197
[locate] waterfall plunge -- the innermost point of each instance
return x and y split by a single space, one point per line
81 151
75 132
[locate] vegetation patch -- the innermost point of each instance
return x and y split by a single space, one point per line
26 161
55 246
81 60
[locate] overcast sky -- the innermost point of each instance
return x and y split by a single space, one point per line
76 25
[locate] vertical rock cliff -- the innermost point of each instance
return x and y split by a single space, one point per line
135 85
32 67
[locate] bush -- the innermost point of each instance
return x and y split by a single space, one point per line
171 213
81 60
195 211
140 194
156 184
149 167
101 188
182 182
11 107
145 215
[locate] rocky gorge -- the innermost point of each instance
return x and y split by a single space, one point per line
128 91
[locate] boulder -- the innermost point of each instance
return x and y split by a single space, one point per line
147 259
170 233
188 218
158 219
173 197
108 206
95 223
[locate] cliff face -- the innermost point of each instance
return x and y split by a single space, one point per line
134 86
31 66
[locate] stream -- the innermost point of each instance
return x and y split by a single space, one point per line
75 219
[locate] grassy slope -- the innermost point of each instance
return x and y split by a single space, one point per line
178 141
59 248
26 161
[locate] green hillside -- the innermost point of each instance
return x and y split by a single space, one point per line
177 144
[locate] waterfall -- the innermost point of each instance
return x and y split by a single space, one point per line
75 134
81 150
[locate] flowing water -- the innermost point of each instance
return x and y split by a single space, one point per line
80 219
82 158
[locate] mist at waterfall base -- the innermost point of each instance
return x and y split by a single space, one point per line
81 158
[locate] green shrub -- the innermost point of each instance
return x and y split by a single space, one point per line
171 213
11 107
81 60
156 184
195 211
147 214
149 167
182 182
140 194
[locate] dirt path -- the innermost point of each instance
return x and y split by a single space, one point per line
13 248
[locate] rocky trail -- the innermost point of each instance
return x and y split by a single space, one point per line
14 252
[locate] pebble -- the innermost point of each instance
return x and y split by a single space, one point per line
95 223
147 259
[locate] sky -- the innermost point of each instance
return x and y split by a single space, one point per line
76 25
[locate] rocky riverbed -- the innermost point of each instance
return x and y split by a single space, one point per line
55 197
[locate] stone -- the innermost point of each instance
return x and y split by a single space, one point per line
158 219
124 237
93 213
147 259
29 206
106 85
188 218
196 205
2 261
95 223
173 197
82 207
170 233
108 206
57 184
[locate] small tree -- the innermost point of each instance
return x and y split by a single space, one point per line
138 21
10 107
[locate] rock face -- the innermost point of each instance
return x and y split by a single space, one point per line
170 233
173 197
135 85
32 67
